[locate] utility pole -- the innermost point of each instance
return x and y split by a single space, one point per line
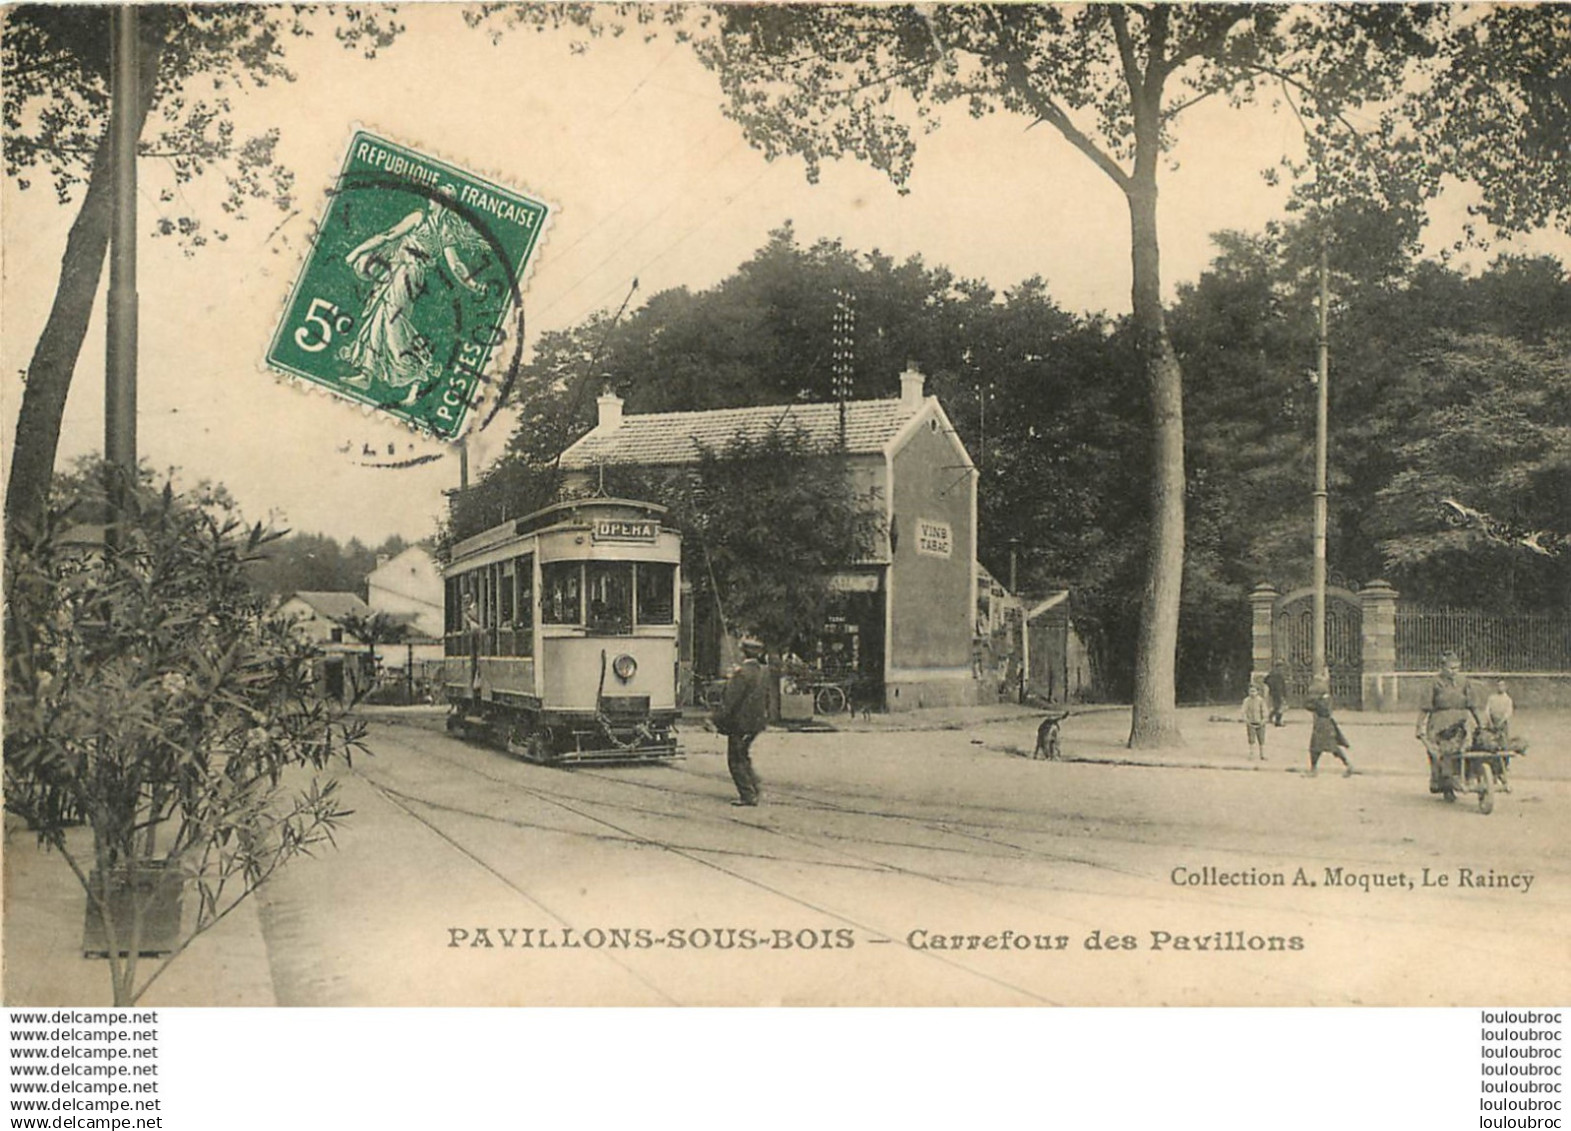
121 345
981 444
1322 416
844 352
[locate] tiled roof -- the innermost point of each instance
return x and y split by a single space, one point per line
333 606
665 438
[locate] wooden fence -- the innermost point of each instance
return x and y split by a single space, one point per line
1487 642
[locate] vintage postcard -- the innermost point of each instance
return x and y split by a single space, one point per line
866 505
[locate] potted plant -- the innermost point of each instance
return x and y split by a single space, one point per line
162 733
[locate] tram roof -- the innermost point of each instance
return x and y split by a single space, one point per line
547 516
554 515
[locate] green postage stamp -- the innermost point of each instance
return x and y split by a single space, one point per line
408 289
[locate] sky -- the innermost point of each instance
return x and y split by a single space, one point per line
647 180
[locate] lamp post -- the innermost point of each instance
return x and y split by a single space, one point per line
1322 415
120 345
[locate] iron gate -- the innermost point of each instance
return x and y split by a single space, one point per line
1293 641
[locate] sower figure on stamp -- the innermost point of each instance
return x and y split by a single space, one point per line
388 348
1443 718
742 715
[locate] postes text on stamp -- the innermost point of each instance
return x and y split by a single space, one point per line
407 291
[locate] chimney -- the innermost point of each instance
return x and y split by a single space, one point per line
610 412
911 382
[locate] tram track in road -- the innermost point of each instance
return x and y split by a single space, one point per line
968 885
822 840
977 826
960 829
397 802
1398 856
687 798
697 805
692 854
808 801
832 843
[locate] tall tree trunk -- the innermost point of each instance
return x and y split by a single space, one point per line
49 373
1155 716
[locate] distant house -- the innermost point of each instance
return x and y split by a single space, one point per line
902 619
346 669
408 587
321 615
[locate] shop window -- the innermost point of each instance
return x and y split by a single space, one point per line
610 586
656 593
561 593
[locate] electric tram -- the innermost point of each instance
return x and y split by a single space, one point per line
562 633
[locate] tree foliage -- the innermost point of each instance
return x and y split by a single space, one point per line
1490 428
1442 385
1499 113
765 522
1049 405
150 695
1046 402
195 60
827 81
317 563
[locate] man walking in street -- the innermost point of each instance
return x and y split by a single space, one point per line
742 715
1276 684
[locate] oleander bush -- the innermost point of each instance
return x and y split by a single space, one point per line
152 697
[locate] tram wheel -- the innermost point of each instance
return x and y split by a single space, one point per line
537 748
1486 791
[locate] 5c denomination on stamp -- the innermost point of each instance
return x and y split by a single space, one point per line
406 293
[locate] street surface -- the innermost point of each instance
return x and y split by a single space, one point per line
467 877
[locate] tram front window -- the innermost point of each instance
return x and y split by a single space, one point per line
610 586
561 599
656 593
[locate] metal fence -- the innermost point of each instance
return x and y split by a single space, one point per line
1518 642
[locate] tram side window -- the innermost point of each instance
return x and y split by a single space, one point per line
454 620
504 608
561 593
524 606
656 593
611 598
488 610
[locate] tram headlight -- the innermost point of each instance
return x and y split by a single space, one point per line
625 667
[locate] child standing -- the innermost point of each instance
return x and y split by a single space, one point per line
1256 711
1326 737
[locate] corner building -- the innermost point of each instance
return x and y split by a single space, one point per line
901 620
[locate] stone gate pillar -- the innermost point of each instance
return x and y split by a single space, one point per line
1262 599
1378 601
